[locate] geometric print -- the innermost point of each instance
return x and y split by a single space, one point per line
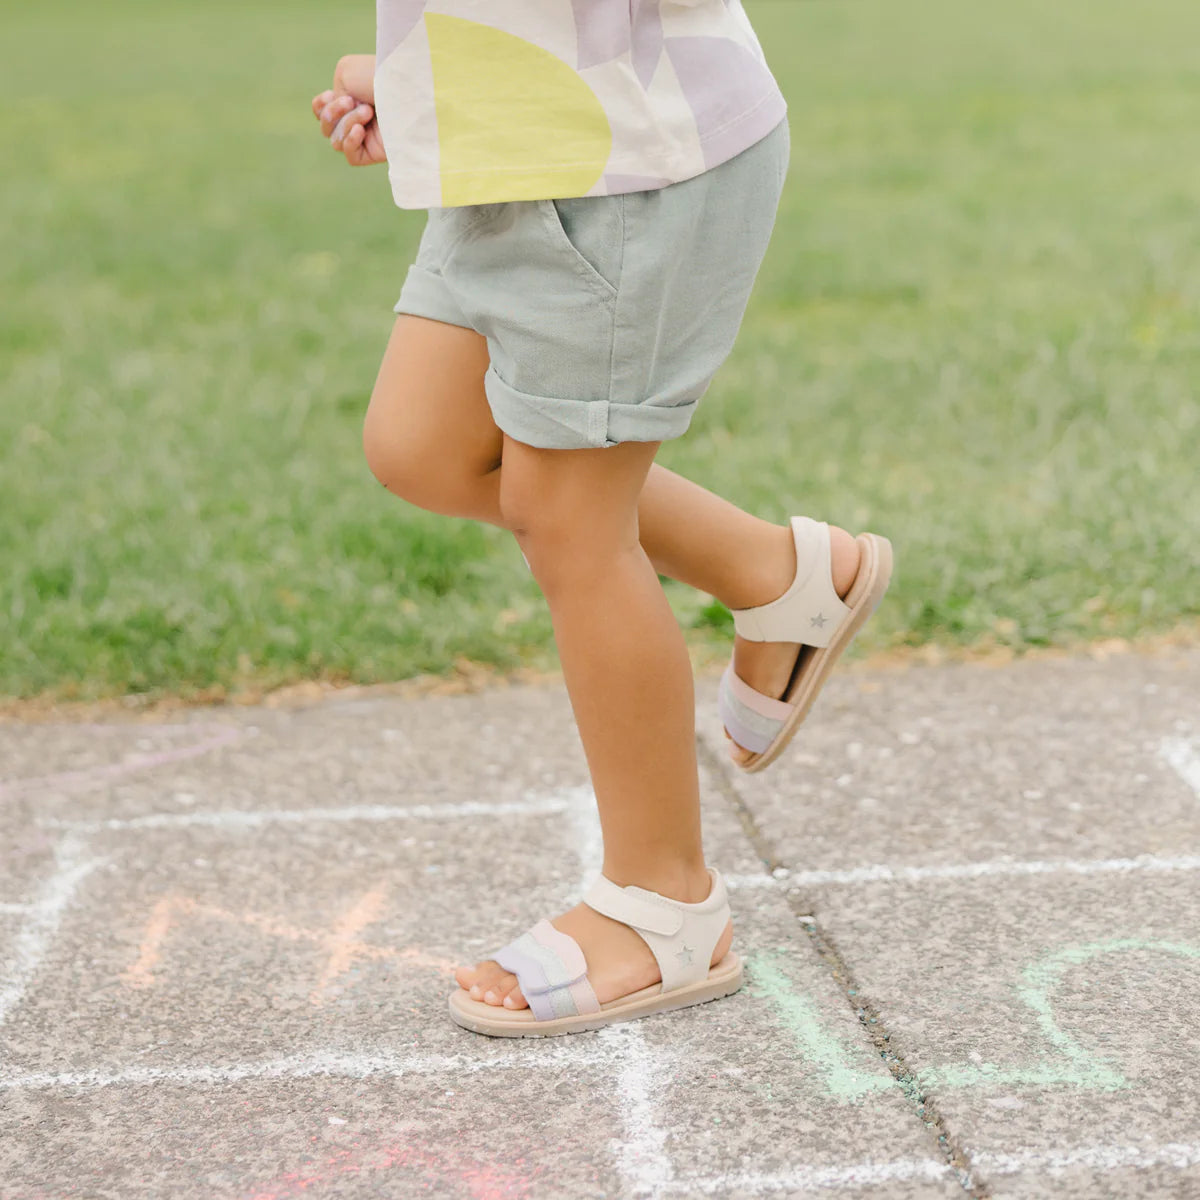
484 101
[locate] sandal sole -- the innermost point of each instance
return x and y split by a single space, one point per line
723 980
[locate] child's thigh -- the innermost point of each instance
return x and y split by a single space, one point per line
428 403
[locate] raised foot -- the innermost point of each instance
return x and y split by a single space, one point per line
768 666
619 961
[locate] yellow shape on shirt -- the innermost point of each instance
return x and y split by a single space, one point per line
515 122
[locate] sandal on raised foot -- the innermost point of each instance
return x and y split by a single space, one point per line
811 614
552 971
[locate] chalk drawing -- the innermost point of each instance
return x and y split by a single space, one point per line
820 1049
577 1054
584 818
33 937
218 736
1043 976
341 942
1179 1155
814 1178
443 1167
882 873
1066 1064
1183 755
259 818
641 1153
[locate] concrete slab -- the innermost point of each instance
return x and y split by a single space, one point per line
1052 1020
1064 758
1005 868
227 977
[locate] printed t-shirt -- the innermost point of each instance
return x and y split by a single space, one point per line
481 101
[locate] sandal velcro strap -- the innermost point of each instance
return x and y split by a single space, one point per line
810 612
752 719
551 971
635 906
681 936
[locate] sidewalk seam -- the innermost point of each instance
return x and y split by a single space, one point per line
926 1109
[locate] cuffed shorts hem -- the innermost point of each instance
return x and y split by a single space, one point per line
606 317
425 294
552 423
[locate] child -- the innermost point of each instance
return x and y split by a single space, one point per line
602 178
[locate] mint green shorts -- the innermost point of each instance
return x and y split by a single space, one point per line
606 316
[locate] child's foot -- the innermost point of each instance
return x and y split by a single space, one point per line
767 666
619 961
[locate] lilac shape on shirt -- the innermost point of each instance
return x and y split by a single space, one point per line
722 82
394 21
602 32
647 38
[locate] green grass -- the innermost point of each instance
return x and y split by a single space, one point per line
977 331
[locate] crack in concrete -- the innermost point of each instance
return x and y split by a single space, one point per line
949 1146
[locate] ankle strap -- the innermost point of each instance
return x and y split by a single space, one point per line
810 611
681 936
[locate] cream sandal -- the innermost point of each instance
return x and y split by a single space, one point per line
811 614
552 972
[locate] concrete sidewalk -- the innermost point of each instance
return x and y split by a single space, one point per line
967 898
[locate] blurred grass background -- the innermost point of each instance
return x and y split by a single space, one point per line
977 331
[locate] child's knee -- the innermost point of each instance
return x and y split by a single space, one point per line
404 466
563 542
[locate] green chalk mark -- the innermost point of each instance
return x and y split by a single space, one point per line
1043 976
820 1048
1067 1065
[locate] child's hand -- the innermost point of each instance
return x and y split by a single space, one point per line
346 113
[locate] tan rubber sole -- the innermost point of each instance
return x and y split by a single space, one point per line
870 584
723 980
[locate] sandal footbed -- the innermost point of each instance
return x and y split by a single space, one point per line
722 980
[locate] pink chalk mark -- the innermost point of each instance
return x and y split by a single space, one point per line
478 1181
341 941
93 776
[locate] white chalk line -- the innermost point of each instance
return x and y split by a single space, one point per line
877 873
813 1178
33 938
641 1155
321 1063
1178 1156
578 804
258 818
1183 756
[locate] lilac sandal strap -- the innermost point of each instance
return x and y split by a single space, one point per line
552 972
753 720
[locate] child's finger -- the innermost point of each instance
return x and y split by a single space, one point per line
319 101
352 143
334 111
354 119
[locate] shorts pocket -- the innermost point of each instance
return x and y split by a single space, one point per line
591 231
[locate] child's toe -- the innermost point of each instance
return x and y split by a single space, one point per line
499 988
514 999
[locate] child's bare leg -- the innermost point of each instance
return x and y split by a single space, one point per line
430 438
700 539
574 513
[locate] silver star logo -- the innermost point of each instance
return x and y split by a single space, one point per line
684 955
819 620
